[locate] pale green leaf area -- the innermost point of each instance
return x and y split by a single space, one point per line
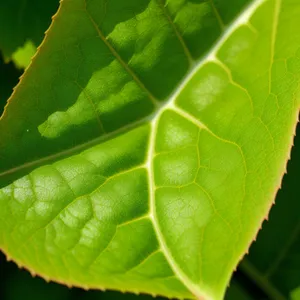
296 294
23 55
146 142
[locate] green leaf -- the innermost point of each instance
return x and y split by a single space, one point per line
274 261
23 55
295 294
145 144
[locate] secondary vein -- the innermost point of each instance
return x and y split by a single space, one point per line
178 34
152 98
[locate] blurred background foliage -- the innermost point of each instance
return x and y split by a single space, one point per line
271 270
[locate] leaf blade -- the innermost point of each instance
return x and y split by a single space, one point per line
170 176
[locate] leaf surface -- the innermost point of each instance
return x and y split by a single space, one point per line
144 145
273 261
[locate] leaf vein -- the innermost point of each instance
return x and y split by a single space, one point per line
125 65
177 32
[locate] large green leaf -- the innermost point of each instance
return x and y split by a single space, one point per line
274 259
145 144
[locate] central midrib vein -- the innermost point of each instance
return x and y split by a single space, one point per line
193 287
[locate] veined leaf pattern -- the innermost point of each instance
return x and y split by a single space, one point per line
146 154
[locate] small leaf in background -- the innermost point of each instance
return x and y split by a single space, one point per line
295 295
22 56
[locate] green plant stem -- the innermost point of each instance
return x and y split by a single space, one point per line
247 268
